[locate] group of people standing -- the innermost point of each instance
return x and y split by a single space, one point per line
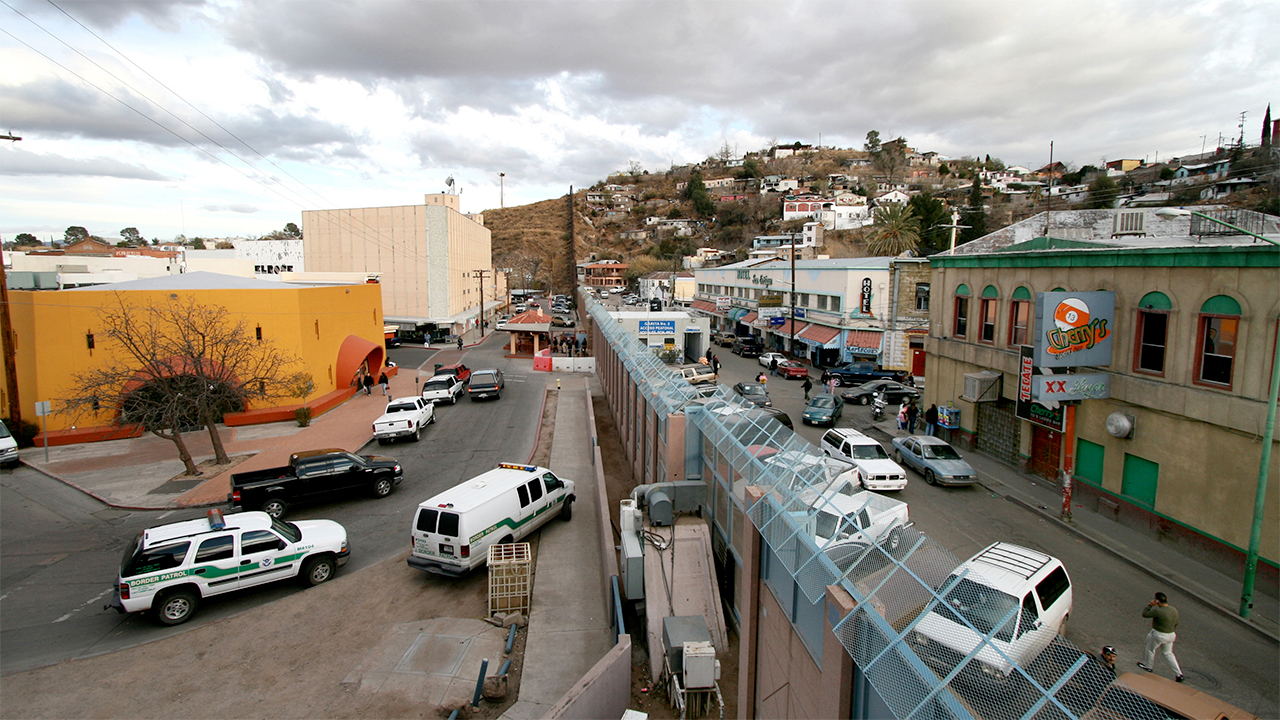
568 345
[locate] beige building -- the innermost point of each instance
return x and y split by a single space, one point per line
1194 337
425 256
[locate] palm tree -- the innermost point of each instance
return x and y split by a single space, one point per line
896 230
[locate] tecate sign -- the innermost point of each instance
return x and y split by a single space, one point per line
1074 329
1061 388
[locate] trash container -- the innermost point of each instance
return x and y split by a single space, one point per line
438 366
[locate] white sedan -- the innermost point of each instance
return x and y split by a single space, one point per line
766 359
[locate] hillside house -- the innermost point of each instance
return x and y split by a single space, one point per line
605 274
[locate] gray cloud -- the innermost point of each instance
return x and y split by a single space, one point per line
19 162
110 14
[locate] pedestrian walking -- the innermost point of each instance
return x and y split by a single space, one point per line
773 366
368 384
902 417
913 413
709 356
763 379
1108 658
715 364
1164 626
831 384
459 342
931 422
807 386
382 380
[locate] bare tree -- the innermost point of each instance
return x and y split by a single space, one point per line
178 364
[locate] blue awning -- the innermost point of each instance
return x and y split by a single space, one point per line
736 313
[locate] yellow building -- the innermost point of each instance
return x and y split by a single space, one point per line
427 257
334 331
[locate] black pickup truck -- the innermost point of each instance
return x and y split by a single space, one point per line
856 373
314 475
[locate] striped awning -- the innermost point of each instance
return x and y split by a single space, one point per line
864 342
749 317
818 334
737 313
785 328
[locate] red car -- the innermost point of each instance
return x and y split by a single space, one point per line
793 370
462 371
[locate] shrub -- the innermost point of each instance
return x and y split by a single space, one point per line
303 416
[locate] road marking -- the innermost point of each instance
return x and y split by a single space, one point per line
85 604
165 515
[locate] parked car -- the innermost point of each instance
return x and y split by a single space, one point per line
404 417
792 370
857 373
522 307
485 383
8 447
837 477
696 373
823 409
747 347
1019 597
846 526
561 322
755 392
724 339
314 475
168 569
462 372
443 388
894 392
934 459
766 359
1135 696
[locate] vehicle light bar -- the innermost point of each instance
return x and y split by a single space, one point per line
216 521
514 466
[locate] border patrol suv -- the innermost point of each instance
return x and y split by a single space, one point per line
168 569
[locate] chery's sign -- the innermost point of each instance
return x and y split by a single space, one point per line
1074 328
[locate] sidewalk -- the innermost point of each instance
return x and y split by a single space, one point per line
1044 498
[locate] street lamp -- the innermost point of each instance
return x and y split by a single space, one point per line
501 190
1268 435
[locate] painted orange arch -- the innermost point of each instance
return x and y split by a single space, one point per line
354 352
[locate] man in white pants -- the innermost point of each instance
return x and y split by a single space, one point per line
1164 624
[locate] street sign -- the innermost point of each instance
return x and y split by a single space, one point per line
657 327
44 407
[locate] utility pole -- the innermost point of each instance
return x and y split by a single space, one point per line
792 349
6 337
501 190
480 274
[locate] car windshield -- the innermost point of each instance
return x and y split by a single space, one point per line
825 403
869 452
401 407
437 385
982 606
752 389
4 431
941 452
482 378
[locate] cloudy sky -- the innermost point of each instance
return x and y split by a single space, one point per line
231 117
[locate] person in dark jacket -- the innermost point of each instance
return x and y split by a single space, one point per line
931 420
459 342
382 380
913 412
773 366
368 384
807 386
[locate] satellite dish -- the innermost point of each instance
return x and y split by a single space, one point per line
1120 425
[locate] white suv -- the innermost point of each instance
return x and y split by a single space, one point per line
878 471
169 568
1019 597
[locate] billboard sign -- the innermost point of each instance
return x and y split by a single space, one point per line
1049 414
1074 328
724 303
770 300
657 327
1060 388
768 313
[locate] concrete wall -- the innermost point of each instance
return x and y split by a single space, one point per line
604 692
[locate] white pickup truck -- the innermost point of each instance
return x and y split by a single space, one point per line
697 374
405 417
443 388
845 526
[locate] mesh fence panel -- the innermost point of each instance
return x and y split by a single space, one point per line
932 640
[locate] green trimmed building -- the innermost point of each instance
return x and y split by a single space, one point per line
1194 340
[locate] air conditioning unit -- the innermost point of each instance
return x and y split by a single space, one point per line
1130 222
982 386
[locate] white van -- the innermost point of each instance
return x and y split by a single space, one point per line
8 447
452 531
878 471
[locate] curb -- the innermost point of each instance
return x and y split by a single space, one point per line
108 503
1140 562
538 435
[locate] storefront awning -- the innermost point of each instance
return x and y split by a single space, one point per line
704 306
785 328
736 313
819 335
864 342
749 317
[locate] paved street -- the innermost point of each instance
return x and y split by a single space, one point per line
60 549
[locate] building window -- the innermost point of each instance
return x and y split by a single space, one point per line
1019 316
835 303
1151 334
922 297
804 299
990 298
1219 324
822 302
960 328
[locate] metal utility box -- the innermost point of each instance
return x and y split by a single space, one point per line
632 569
701 669
676 631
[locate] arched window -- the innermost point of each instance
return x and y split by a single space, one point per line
1151 335
1019 317
990 300
960 327
1216 341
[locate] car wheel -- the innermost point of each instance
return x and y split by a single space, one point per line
382 441
897 456
506 540
176 607
865 399
417 433
895 539
275 507
1062 626
566 512
318 570
930 478
433 419
382 487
